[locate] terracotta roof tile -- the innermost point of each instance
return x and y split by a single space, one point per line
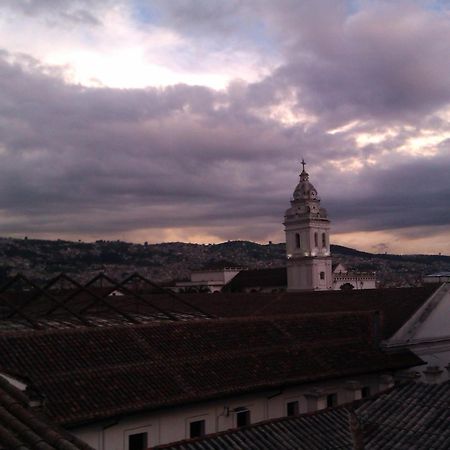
91 373
395 305
25 428
254 278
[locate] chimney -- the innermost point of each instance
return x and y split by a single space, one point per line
433 374
385 382
356 432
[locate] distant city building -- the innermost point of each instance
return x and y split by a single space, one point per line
439 277
343 279
267 280
207 280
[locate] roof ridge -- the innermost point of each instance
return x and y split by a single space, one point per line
185 323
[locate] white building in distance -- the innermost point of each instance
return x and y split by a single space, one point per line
207 280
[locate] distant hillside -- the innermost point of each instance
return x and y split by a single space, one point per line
42 259
341 250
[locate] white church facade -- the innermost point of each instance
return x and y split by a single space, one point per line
307 228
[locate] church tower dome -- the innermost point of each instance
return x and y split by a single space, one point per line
307 230
304 188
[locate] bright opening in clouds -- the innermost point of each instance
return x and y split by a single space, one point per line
187 119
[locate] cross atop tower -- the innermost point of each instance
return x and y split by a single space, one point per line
303 175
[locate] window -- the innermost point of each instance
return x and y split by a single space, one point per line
331 400
322 275
297 240
137 441
365 391
242 418
316 239
197 429
324 240
292 408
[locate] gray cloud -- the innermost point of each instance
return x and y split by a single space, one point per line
60 12
99 148
387 62
200 16
92 160
413 193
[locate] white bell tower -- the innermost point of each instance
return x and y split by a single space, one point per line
307 230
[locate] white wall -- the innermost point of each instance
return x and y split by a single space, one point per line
223 275
356 280
304 274
437 356
427 334
170 425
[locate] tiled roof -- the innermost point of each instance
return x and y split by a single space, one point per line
86 306
413 416
395 305
317 431
23 427
63 303
276 277
89 373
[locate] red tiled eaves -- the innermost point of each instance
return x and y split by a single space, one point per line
93 373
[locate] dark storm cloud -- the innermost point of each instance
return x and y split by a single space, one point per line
384 61
89 160
388 61
169 153
413 193
93 160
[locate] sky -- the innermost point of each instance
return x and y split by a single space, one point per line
186 120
